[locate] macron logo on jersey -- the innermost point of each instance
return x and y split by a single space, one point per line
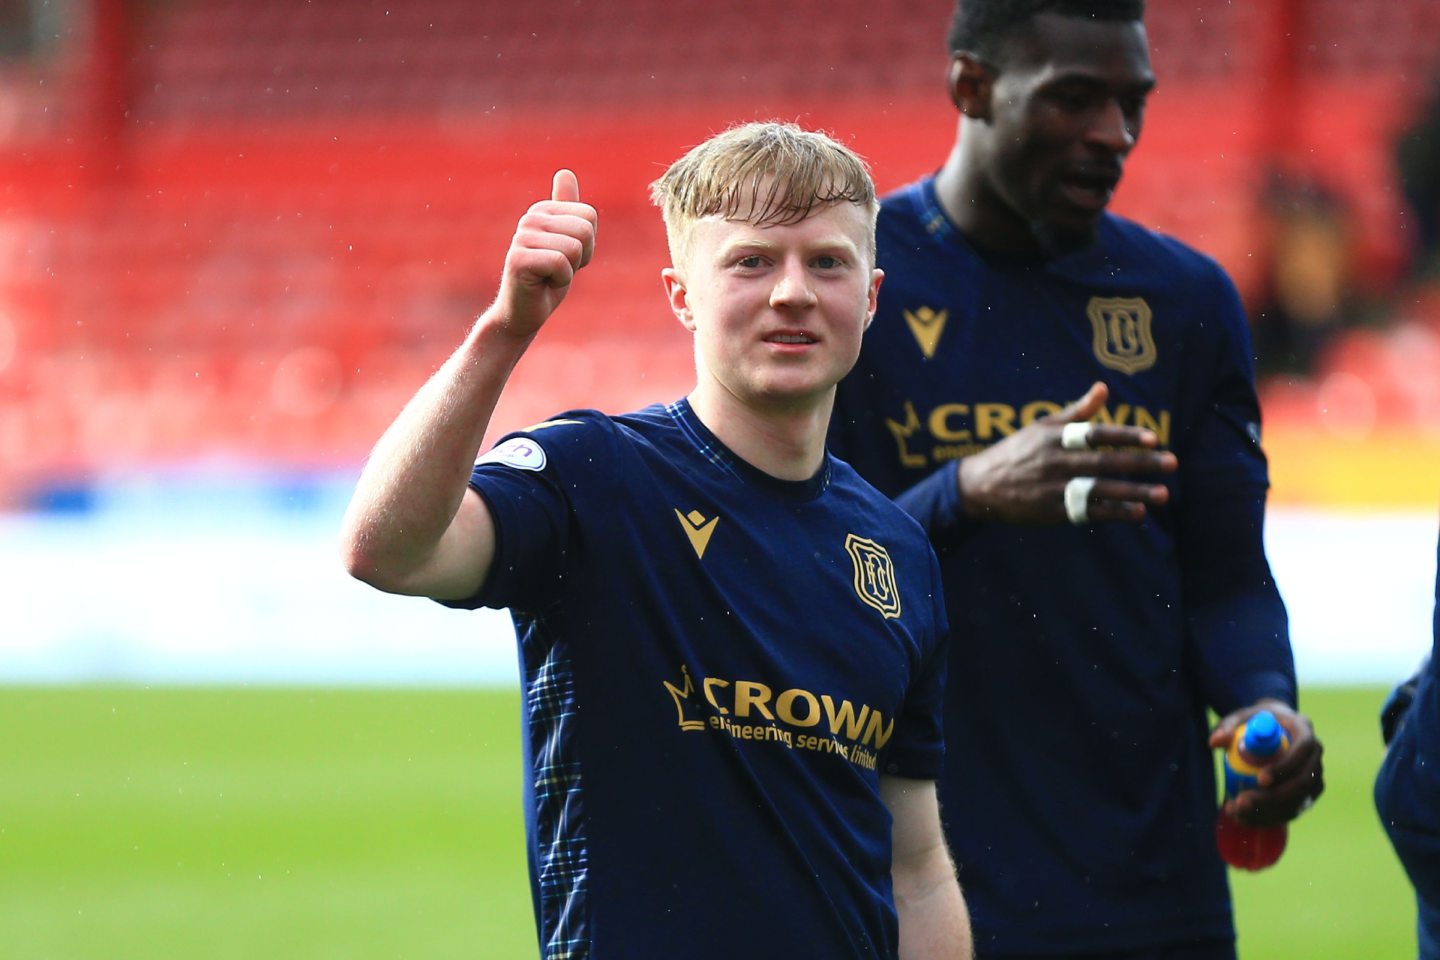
698 530
926 325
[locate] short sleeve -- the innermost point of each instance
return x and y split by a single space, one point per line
918 751
527 481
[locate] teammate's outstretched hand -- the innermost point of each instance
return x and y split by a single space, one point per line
1288 786
1062 467
555 238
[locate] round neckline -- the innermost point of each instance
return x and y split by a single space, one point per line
713 449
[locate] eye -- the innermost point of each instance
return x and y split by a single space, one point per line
750 261
829 261
1133 106
1073 100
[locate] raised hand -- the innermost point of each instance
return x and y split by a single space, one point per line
1023 478
554 238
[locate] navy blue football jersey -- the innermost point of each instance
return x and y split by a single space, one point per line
1079 797
1407 790
718 665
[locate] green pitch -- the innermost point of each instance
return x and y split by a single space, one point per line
277 823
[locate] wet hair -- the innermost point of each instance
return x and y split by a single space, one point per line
981 27
768 173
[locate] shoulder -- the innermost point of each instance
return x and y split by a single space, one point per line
907 198
575 435
902 212
1137 247
859 496
552 435
920 250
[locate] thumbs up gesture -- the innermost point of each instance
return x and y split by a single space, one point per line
554 238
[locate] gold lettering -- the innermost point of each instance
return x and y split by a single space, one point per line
1124 415
1120 417
879 731
960 429
749 694
994 420
845 717
785 707
940 417
1143 418
954 451
708 685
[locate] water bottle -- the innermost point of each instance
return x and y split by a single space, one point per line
1256 744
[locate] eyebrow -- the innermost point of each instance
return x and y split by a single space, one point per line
1090 80
835 244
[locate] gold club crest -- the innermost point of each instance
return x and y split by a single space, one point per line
874 575
1123 340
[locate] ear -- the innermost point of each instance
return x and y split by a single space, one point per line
876 275
971 84
678 296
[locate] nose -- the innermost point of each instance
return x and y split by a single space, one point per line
792 289
1113 130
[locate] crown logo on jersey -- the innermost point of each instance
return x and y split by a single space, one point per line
927 325
698 529
902 433
874 575
681 696
1123 340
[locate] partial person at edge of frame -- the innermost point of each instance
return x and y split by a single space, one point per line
1407 787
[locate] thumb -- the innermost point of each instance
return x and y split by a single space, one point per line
565 186
1224 732
1087 406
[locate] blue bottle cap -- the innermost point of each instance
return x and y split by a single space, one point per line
1263 734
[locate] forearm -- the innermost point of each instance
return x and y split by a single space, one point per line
410 527
413 485
1234 611
934 922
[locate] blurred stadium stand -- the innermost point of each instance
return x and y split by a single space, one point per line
246 230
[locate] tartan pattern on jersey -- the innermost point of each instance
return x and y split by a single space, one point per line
562 860
710 451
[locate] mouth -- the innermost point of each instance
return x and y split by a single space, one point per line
1090 190
791 338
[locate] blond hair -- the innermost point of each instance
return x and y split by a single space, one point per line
768 174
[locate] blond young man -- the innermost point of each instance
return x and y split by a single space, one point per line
731 647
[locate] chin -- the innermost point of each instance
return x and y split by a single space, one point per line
792 396
1061 238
